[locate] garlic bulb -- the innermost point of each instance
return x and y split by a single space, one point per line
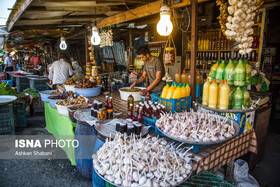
230 9
229 19
232 2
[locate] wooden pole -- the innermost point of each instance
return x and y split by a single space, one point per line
86 45
193 46
130 47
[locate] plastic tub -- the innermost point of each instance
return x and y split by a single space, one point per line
136 95
88 92
62 110
69 88
45 94
53 101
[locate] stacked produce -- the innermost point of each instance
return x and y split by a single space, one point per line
225 87
66 95
86 83
70 81
56 92
142 162
198 127
6 89
79 100
175 91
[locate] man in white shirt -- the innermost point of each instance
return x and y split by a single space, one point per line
8 61
60 71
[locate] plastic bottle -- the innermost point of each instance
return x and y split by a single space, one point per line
184 77
213 95
183 91
212 73
164 91
170 91
248 70
198 78
231 102
205 95
140 115
110 103
148 97
246 97
177 76
239 74
219 92
189 78
237 98
224 96
177 92
130 100
188 90
229 73
106 101
220 72
136 112
130 111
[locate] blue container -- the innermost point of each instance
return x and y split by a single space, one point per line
97 181
53 101
88 92
45 94
173 105
150 122
10 82
89 143
198 91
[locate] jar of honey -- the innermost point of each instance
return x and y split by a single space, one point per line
102 114
94 71
88 67
169 56
98 80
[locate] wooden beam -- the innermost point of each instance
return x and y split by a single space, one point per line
139 12
86 46
19 12
193 46
51 26
124 1
99 10
66 17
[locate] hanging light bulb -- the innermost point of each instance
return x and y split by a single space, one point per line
62 45
95 38
164 26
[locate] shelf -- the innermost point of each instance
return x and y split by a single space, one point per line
221 50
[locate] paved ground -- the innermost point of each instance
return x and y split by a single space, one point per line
61 173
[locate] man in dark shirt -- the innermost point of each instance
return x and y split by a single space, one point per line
153 69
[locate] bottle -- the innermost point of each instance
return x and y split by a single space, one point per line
237 98
231 102
220 72
229 73
248 70
110 103
148 97
224 96
219 91
212 73
130 100
205 95
140 115
213 94
184 77
239 74
106 101
177 92
189 77
130 112
188 90
255 43
170 91
164 91
136 111
109 84
183 91
177 76
198 78
246 97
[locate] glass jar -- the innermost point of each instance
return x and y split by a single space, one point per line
88 67
94 71
169 56
98 80
102 114
110 114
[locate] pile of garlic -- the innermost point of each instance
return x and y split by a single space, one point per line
239 23
106 37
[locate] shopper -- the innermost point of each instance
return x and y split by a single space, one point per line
60 71
153 69
9 63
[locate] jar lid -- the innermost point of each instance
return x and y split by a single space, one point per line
88 73
110 110
91 77
169 48
94 67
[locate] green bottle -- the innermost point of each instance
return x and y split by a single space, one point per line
212 73
248 70
229 73
231 102
239 74
237 98
246 97
220 72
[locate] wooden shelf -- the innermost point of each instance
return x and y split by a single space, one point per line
221 50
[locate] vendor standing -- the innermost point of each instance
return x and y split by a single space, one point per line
9 63
153 69
60 71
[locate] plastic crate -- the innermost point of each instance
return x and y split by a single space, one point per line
6 120
39 84
20 117
22 80
173 105
21 87
150 122
10 82
206 178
